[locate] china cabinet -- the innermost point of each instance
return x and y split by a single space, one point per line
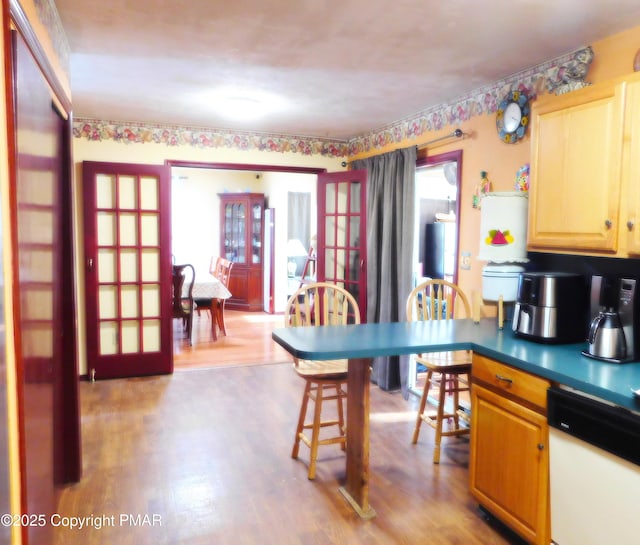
509 462
241 239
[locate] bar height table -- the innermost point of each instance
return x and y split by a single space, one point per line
359 344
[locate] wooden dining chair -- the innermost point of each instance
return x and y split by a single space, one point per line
318 304
222 272
448 371
220 269
184 277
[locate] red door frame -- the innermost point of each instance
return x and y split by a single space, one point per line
348 177
137 363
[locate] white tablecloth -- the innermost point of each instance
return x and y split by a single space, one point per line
210 290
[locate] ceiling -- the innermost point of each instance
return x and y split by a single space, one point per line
324 69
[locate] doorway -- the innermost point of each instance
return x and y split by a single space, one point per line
436 228
196 227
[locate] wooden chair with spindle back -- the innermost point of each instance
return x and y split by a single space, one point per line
318 304
437 299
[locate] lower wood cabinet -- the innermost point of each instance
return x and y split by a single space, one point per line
509 462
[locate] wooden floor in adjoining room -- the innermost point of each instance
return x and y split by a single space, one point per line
248 341
202 457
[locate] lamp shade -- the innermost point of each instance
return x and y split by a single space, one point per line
503 227
295 248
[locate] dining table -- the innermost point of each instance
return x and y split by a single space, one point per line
560 363
210 295
212 289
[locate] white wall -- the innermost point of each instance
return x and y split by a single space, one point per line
195 212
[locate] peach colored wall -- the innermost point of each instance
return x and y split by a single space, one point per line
483 150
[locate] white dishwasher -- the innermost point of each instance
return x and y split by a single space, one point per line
594 468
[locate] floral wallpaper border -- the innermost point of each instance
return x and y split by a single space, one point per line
205 138
484 100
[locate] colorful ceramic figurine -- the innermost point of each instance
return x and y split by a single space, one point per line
481 190
522 178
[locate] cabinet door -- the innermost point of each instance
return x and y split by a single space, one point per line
631 214
576 170
509 463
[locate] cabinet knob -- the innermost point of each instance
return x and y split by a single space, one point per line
630 225
540 446
608 223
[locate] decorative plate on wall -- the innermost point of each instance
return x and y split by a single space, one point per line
512 117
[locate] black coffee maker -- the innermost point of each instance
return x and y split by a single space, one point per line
613 334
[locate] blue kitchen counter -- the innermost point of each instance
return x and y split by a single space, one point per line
562 363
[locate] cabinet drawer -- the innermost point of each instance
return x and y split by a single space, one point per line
510 380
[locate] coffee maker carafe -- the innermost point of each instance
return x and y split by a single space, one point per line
612 333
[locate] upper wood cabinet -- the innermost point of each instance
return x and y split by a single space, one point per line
630 228
576 170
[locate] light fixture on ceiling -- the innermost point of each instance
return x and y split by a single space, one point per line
241 108
242 104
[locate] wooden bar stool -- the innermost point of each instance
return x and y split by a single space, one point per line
317 304
435 300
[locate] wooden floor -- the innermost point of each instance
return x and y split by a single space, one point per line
248 341
203 457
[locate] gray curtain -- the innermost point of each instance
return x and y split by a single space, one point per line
390 235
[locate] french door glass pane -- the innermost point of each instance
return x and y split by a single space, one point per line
106 265
106 229
149 191
129 302
150 300
342 231
105 191
127 194
108 302
108 338
150 265
128 229
354 231
149 226
129 265
130 337
355 197
330 196
330 231
151 335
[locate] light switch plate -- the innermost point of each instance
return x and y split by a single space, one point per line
465 261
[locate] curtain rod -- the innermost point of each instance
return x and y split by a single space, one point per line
455 134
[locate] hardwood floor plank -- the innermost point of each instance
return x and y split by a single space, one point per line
208 452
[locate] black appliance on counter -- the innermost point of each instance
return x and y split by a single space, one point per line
551 307
613 333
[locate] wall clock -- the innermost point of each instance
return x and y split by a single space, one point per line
512 117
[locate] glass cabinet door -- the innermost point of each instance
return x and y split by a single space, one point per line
256 234
234 242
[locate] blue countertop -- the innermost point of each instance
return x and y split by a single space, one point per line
561 363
